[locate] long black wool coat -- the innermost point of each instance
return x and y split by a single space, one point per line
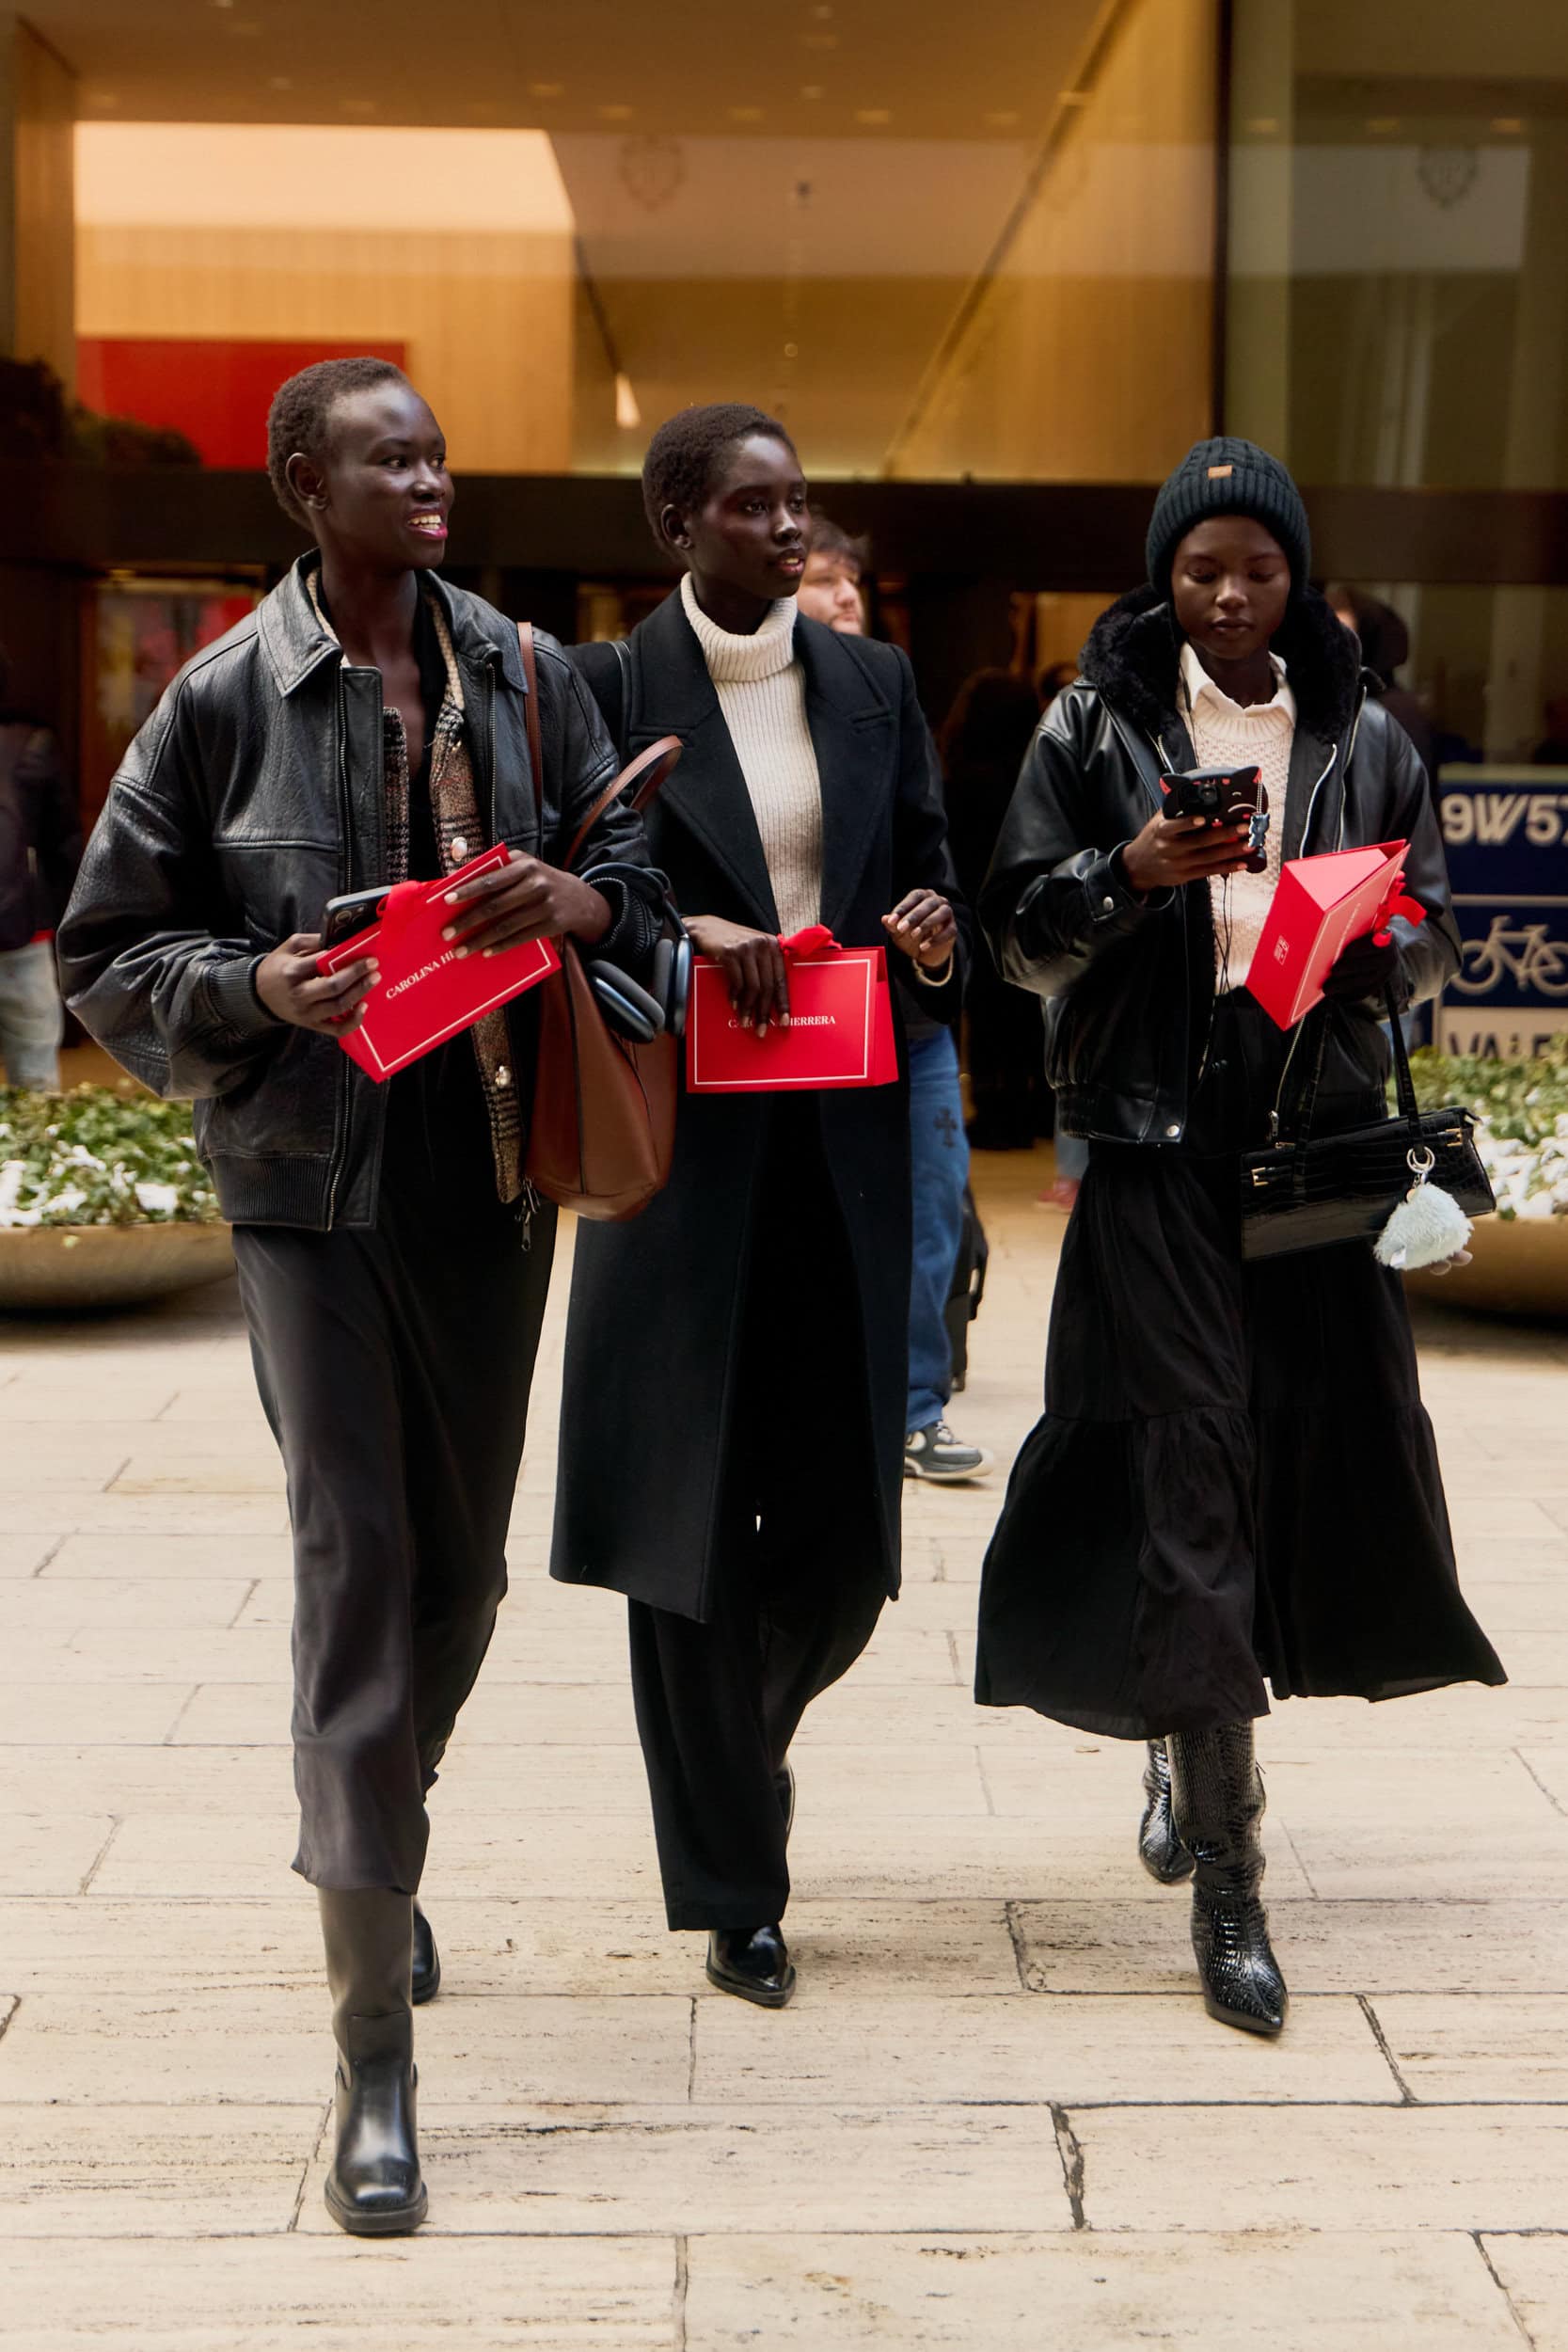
643 1425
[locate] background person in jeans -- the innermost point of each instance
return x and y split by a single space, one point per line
41 847
830 590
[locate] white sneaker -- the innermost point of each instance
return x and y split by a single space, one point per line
934 1453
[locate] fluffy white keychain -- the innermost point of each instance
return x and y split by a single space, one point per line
1428 1229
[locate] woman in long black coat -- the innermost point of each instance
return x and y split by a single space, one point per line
1234 1479
740 1479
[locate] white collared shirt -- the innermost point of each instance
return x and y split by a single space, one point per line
1226 735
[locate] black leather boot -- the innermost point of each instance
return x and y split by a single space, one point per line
427 1962
754 1962
1217 1810
373 2189
1160 1849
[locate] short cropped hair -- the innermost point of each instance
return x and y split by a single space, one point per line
300 419
685 454
830 539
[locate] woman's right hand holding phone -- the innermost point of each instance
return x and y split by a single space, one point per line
754 965
1173 850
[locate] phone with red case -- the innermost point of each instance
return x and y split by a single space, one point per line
427 992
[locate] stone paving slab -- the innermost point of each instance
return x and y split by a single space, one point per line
1483 2047
217 1552
1193 2293
277 2294
159 2172
490 1945
72 1606
51 1853
797 2169
43 1715
193 2047
80 1512
1330 2167
1534 2272
253 1781
1089 2048
1439 1945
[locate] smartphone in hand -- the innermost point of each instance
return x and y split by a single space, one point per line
1226 796
353 911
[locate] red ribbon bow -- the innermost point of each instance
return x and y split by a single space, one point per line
1397 901
813 941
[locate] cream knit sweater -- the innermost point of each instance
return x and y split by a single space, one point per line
1226 736
762 692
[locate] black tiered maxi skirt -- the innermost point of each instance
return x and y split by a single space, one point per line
1235 1482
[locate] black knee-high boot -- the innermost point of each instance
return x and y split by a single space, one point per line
373 2189
1217 1809
1160 1849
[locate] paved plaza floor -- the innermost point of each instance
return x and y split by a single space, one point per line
996 2116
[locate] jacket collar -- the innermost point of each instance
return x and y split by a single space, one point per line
1134 654
851 725
297 644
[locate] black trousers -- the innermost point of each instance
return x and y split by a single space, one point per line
800 1582
394 1366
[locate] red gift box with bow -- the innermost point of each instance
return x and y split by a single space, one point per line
428 992
1319 906
840 1031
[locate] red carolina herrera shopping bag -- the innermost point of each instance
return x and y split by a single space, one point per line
840 1031
426 993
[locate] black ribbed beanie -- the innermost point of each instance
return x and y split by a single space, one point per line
1226 476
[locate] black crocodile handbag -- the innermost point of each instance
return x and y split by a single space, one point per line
1305 1193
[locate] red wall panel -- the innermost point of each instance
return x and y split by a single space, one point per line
214 391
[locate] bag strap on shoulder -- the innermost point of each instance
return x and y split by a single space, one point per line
642 778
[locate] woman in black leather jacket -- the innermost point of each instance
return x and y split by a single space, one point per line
1234 1480
366 724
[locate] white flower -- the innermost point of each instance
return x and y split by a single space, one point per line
157 1200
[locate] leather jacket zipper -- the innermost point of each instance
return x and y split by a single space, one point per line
345 864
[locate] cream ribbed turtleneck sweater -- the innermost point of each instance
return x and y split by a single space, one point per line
762 692
1226 736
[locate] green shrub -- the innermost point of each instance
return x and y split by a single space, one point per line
1521 1111
97 1156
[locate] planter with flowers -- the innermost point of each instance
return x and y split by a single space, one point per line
102 1201
1519 1264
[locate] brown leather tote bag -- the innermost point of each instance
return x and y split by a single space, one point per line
603 1130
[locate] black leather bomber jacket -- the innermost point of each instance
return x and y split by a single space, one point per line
1129 981
254 793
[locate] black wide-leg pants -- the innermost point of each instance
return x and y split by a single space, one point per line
798 1584
394 1367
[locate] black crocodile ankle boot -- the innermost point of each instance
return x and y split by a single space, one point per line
373 2189
1217 1811
1160 1849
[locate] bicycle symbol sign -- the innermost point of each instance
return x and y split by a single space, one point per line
1524 953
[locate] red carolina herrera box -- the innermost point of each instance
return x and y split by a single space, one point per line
426 993
1319 906
840 1031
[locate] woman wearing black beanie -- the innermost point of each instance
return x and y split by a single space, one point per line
1234 1480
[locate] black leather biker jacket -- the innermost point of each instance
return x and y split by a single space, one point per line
1129 983
255 793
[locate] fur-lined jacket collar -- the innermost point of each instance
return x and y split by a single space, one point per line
1133 655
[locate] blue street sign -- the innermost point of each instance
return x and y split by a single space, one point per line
1506 833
